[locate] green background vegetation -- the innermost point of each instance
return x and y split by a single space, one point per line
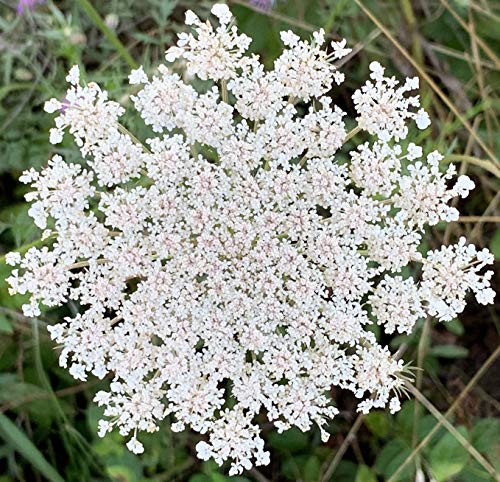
47 421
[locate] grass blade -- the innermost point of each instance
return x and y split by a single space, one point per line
460 438
489 52
423 74
22 444
486 165
486 365
107 32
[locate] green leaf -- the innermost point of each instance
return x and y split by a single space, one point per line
22 444
404 418
199 478
312 469
486 434
14 391
265 38
449 351
365 474
94 414
397 341
291 467
375 329
378 423
121 473
473 472
346 472
5 326
210 467
448 457
21 229
425 425
495 244
292 440
22 396
5 379
216 477
455 326
391 457
111 446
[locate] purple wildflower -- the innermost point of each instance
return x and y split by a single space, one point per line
262 4
23 5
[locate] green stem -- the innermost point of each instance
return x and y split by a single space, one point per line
124 130
422 348
107 32
487 364
352 133
224 93
22 250
485 164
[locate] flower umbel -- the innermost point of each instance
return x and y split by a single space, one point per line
235 255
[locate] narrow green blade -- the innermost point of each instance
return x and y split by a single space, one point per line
22 444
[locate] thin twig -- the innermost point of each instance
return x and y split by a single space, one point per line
352 133
479 74
448 413
487 50
486 165
171 473
64 392
460 438
20 317
492 206
422 348
107 32
429 80
456 54
479 219
258 475
342 449
224 92
124 130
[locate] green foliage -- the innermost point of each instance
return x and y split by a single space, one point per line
365 474
293 440
391 457
378 423
449 351
485 434
495 244
17 439
448 457
455 326
5 325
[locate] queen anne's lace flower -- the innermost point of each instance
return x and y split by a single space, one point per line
235 265
396 304
383 109
304 69
211 54
447 275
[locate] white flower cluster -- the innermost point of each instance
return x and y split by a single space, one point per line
383 109
232 265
